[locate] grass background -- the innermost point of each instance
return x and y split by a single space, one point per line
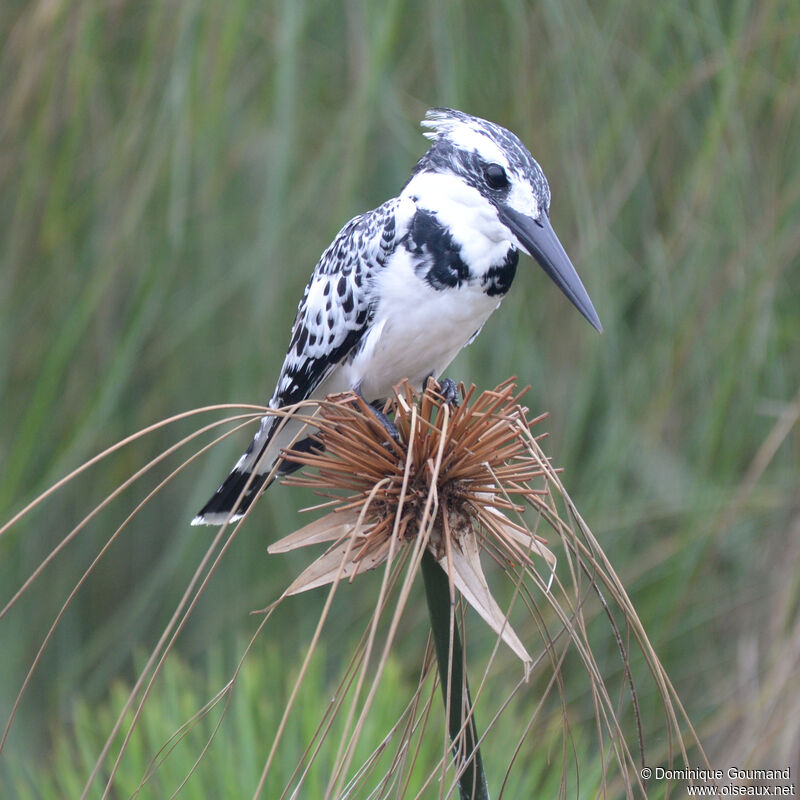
169 174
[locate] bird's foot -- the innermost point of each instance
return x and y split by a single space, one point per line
448 388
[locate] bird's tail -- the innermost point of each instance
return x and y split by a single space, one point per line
238 491
219 506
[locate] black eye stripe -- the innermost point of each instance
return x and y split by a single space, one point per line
495 176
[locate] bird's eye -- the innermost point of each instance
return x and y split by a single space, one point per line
496 176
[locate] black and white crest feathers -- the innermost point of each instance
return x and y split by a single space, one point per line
464 145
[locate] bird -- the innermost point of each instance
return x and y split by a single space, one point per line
404 287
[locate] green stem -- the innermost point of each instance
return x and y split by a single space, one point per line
472 782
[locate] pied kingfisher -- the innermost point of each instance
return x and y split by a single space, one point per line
404 287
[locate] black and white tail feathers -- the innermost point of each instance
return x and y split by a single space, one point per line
238 491
222 502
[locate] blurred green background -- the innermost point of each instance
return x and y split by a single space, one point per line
169 174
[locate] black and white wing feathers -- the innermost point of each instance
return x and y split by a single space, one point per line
332 319
337 305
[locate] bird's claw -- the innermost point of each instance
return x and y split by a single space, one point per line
448 388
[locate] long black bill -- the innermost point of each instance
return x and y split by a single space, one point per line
540 240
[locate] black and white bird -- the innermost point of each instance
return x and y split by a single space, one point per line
402 288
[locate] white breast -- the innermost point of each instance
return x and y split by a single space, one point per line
417 330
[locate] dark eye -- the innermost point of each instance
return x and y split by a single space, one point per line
495 176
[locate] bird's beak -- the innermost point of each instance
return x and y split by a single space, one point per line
539 239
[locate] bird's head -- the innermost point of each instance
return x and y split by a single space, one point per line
494 169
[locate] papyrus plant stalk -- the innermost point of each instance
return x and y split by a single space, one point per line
443 485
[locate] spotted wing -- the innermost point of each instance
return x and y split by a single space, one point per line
332 319
337 305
